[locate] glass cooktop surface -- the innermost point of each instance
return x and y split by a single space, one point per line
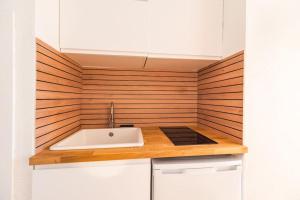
182 135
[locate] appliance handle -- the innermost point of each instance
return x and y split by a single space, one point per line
173 171
188 170
228 168
200 170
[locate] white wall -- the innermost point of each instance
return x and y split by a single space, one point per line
6 106
272 100
234 27
17 98
24 97
47 21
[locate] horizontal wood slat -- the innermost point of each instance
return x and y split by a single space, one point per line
46 142
216 102
222 109
58 96
219 127
56 118
222 77
218 90
51 62
56 71
220 97
227 96
138 83
139 115
223 63
140 96
222 83
58 88
138 92
221 71
224 122
141 88
40 131
140 120
57 56
138 106
55 110
133 111
138 78
56 103
46 138
115 72
144 98
159 124
222 115
48 78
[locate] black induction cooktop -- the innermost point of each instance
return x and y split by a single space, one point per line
181 135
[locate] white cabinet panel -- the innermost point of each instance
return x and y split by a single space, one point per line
47 21
198 184
234 27
108 180
185 27
104 25
202 178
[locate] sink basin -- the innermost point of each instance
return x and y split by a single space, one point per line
101 138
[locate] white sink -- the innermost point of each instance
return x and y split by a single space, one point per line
101 138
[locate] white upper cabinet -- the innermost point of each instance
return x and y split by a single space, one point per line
123 33
234 27
186 28
116 27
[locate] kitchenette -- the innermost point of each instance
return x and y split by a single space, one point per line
171 163
139 100
149 100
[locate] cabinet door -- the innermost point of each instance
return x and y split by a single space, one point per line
198 184
234 27
185 27
104 25
107 180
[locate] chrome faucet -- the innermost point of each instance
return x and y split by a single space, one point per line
111 120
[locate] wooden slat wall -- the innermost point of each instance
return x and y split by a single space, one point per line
220 97
58 93
144 98
70 97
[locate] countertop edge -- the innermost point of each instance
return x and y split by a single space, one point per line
153 148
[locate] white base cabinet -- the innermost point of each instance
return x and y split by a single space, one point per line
190 178
211 178
108 180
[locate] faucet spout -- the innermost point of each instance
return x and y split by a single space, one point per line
111 121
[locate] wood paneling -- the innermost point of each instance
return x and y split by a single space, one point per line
70 97
220 97
57 97
144 98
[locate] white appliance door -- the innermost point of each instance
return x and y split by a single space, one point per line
209 183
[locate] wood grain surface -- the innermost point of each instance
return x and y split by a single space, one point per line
220 97
58 90
157 145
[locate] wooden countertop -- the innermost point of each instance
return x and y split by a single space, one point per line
157 145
